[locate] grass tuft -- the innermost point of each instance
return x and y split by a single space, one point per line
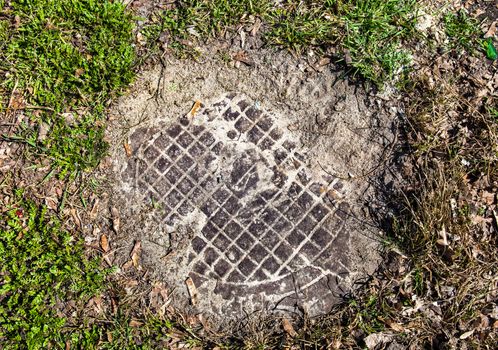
462 30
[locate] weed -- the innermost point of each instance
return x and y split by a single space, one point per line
40 265
462 30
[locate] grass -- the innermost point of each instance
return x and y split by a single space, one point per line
41 265
62 62
462 30
368 33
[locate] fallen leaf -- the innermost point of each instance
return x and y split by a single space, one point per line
336 344
69 118
444 237
256 27
242 39
127 148
17 21
491 30
395 326
135 253
192 291
51 203
76 218
241 56
375 340
79 72
115 219
104 243
135 323
16 101
193 111
488 197
288 328
42 132
141 39
127 265
95 209
466 335
333 194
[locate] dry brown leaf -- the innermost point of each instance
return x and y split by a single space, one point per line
323 61
466 335
288 328
333 194
491 30
135 253
96 304
395 326
195 108
241 56
95 209
17 21
76 218
42 132
104 243
488 197
192 291
16 101
127 265
336 344
135 323
255 28
127 148
51 203
79 72
115 219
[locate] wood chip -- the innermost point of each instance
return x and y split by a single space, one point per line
288 328
192 291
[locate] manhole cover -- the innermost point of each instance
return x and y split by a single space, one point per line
262 224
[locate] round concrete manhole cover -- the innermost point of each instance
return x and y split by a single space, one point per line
257 199
262 219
